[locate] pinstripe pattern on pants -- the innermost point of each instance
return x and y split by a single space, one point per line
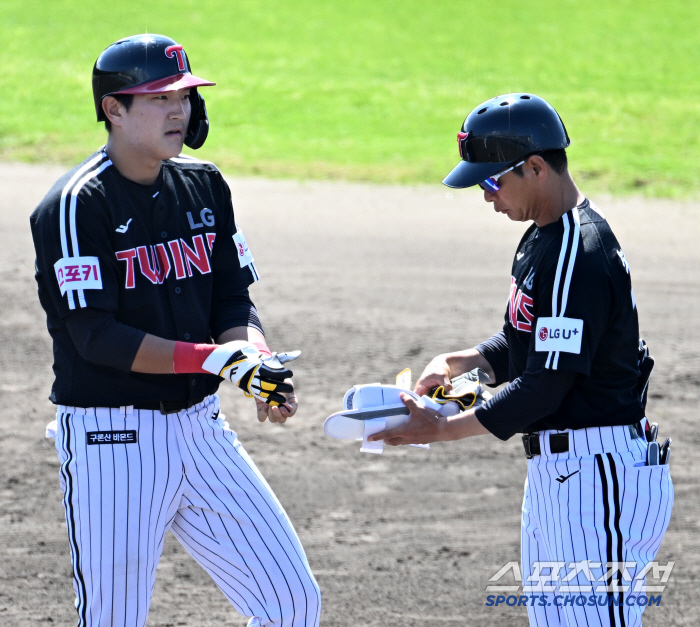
188 473
598 503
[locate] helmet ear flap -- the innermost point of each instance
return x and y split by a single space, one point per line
198 128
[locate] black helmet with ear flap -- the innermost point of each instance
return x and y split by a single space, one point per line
198 128
150 64
502 131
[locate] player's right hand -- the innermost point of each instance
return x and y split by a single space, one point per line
259 376
436 374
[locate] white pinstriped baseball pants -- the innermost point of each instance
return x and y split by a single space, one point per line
188 473
615 509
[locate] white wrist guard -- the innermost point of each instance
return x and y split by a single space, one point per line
374 405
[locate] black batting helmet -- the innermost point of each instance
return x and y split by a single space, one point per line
500 132
150 64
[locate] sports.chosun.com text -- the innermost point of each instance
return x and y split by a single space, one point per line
562 600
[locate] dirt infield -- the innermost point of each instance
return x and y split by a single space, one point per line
365 280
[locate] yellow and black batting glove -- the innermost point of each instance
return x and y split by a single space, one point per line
258 375
266 383
466 389
465 401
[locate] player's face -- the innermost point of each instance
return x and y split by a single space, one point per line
156 124
515 196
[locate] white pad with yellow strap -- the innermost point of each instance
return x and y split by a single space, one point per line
373 407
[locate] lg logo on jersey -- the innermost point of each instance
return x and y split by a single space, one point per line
156 262
556 333
529 279
245 257
205 215
559 334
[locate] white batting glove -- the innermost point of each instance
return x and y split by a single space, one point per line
258 375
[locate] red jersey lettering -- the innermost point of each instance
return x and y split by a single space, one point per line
513 303
210 241
150 264
128 256
519 308
525 302
177 259
198 257
164 261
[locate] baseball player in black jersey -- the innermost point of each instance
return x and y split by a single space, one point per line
596 495
144 274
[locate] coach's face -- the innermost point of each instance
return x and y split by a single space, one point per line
155 125
518 196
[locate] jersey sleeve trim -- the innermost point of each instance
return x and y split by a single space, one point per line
567 257
68 205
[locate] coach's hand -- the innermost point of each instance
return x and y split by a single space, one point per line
423 427
437 373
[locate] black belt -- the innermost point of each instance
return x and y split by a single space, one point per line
559 442
167 407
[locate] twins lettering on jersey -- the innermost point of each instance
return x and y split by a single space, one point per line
156 262
520 307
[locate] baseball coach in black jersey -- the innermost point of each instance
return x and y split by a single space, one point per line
597 491
143 273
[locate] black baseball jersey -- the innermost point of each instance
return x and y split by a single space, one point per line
572 307
161 258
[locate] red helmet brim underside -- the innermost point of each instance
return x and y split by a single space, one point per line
170 83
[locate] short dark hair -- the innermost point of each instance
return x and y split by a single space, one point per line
556 159
124 99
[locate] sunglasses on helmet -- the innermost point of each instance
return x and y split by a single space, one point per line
491 183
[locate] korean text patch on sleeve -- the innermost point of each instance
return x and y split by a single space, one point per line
78 273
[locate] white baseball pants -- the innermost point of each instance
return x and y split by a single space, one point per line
128 476
597 503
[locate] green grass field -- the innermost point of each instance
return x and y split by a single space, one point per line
376 89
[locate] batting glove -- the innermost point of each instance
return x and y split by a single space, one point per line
258 375
466 390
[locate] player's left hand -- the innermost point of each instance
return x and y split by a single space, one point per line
279 413
423 427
